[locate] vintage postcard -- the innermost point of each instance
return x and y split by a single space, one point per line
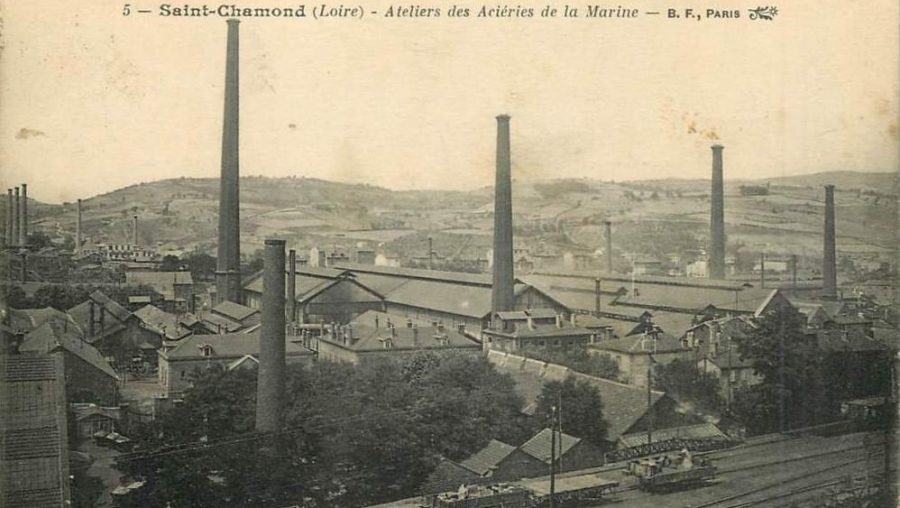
449 254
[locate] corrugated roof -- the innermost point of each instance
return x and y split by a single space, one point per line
29 367
539 446
484 460
34 429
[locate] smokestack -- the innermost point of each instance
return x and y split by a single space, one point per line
10 206
502 294
794 271
596 296
228 268
762 270
717 218
23 217
430 253
609 252
78 226
15 228
829 260
292 285
270 383
134 235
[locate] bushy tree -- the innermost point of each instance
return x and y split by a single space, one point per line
581 409
355 435
791 368
682 379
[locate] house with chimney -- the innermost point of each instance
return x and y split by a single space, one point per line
176 288
178 366
377 334
535 329
112 329
636 346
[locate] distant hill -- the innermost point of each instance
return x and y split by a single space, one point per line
650 215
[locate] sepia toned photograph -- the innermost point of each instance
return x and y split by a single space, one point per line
474 254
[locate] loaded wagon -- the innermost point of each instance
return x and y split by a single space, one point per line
662 473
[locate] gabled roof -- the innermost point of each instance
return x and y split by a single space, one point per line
539 446
161 322
111 306
234 310
486 459
642 344
623 405
28 319
53 336
231 345
81 314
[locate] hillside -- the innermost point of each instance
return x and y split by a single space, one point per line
653 217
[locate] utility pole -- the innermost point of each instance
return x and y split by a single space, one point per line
781 388
553 420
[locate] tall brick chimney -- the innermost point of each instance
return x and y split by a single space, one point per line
23 217
502 296
829 259
16 220
134 231
10 216
270 383
228 263
292 286
78 226
717 218
609 252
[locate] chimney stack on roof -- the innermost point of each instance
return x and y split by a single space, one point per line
829 259
270 384
23 217
502 297
228 263
717 218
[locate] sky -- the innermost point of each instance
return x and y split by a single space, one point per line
92 100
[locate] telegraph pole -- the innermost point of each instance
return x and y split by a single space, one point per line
553 420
